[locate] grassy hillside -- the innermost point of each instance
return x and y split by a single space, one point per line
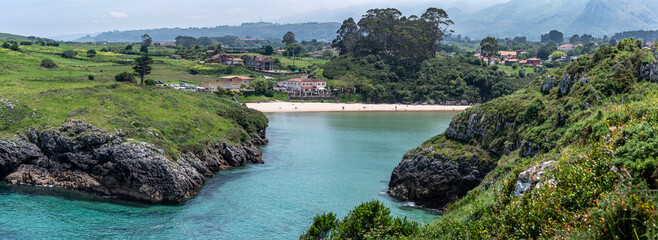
592 125
172 119
7 36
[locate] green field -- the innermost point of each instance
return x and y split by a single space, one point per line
174 120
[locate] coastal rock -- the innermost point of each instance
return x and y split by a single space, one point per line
565 84
549 83
650 71
531 178
79 156
435 181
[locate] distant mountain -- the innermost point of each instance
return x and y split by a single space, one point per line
608 16
303 31
532 18
73 37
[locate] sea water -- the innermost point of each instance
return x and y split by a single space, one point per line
314 163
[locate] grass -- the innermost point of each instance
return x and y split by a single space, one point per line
177 121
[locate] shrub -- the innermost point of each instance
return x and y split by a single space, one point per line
90 77
53 44
5 45
125 77
48 63
91 53
149 82
26 43
69 54
14 47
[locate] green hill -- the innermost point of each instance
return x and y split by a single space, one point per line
165 139
7 36
572 156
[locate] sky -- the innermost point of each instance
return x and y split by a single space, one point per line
47 18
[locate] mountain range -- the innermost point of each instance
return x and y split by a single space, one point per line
499 19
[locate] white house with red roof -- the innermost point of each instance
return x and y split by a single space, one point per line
306 85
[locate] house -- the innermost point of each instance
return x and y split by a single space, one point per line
306 85
210 52
261 63
568 47
532 61
230 83
223 59
511 61
234 61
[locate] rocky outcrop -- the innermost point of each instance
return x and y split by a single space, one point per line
78 156
531 178
549 83
650 71
432 180
565 84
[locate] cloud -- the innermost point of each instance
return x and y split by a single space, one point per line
118 14
235 10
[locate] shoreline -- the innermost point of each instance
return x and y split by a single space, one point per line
288 107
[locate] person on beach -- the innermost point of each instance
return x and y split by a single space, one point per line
343 108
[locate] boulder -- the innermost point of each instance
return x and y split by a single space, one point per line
531 178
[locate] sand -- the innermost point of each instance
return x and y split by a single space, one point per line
273 107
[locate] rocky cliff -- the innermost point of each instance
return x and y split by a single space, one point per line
79 156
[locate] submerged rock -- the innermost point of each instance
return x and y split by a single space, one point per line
79 156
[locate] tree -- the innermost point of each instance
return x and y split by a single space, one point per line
48 63
348 36
294 50
129 47
91 53
489 47
574 39
144 49
546 50
6 45
69 54
14 47
124 77
268 50
557 55
262 86
146 40
289 38
143 66
554 35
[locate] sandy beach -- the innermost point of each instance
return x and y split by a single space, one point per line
272 107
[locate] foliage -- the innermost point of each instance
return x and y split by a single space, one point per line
557 55
601 135
438 80
143 66
48 63
91 53
149 82
289 38
69 54
554 35
489 47
268 50
91 77
263 86
125 77
370 220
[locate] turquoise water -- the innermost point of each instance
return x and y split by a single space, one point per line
315 162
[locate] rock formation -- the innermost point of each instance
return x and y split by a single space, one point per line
79 156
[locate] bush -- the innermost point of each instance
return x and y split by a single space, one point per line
149 82
125 77
5 45
14 47
91 53
69 54
26 43
48 63
52 44
91 77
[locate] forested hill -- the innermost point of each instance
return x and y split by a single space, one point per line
303 31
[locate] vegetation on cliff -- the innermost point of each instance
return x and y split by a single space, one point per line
573 155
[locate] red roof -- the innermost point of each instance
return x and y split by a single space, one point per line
534 59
